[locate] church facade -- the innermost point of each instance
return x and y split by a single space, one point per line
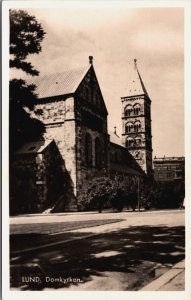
75 116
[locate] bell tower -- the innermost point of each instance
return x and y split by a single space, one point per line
136 121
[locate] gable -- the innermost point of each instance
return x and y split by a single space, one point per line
89 92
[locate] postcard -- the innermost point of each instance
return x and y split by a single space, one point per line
96 149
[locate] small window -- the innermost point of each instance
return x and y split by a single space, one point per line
88 149
128 127
169 175
160 175
128 110
98 153
129 143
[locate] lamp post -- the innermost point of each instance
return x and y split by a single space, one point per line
138 194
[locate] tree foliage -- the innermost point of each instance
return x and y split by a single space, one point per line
95 193
111 192
26 35
167 194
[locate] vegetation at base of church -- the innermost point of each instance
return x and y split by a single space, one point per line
131 192
26 35
167 194
105 192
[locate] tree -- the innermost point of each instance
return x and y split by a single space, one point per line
116 192
26 35
95 193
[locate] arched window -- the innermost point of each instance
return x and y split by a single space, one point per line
88 149
128 110
129 142
128 127
98 156
137 141
137 126
136 109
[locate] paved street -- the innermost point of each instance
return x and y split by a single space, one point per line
126 252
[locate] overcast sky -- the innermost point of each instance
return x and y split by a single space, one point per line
154 36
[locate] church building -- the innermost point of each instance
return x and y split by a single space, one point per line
75 116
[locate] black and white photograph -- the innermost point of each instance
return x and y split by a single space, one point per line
96 147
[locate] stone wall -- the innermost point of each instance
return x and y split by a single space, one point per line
51 110
141 151
91 119
40 182
27 184
59 118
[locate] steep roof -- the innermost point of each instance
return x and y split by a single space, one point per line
115 139
135 84
132 167
58 84
33 147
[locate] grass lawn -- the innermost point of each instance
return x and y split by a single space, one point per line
24 236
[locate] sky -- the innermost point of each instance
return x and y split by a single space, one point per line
154 36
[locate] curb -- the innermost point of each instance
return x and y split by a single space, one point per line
33 249
30 250
88 212
165 278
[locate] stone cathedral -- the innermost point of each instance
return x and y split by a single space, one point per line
77 145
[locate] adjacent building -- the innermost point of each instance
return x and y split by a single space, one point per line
169 168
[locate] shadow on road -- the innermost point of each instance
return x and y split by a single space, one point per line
132 251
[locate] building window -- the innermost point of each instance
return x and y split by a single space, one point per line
128 127
136 109
128 111
88 149
129 143
169 175
137 126
98 158
137 141
160 175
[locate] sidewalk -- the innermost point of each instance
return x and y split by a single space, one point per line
172 280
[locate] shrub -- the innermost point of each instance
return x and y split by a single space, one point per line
111 192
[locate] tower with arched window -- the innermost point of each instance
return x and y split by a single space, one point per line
136 121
